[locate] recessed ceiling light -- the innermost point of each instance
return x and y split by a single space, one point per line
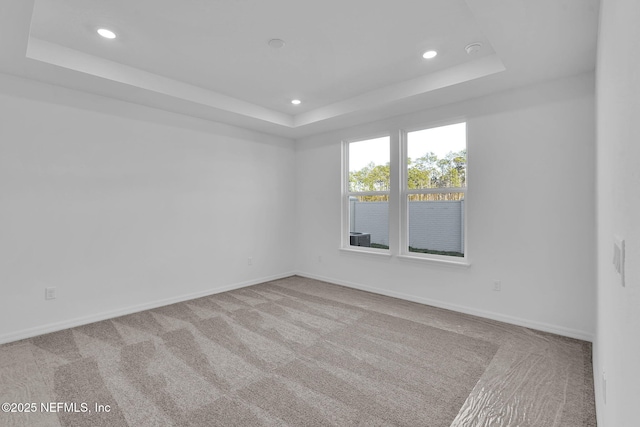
429 54
296 101
107 34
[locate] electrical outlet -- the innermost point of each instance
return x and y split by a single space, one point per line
319 258
249 261
604 387
49 293
497 285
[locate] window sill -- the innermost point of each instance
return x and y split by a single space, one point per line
446 262
376 252
410 258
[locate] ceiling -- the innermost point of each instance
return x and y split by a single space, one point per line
349 62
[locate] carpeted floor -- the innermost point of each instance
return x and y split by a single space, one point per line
299 352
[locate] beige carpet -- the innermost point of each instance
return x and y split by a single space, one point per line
291 352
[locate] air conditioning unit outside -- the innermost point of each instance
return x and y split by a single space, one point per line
360 239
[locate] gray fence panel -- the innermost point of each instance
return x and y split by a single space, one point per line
432 225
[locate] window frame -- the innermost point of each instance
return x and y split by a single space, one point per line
346 193
398 198
405 192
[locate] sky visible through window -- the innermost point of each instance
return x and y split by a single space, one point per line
362 153
439 140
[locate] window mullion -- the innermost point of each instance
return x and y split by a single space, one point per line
394 196
402 203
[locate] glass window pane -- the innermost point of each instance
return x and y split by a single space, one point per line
436 223
437 157
369 221
369 165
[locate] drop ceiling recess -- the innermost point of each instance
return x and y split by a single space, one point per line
260 53
244 61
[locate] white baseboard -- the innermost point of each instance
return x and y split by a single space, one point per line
540 326
70 323
53 327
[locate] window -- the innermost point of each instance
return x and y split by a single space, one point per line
367 193
434 188
417 182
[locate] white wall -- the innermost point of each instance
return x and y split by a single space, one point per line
122 207
617 345
528 149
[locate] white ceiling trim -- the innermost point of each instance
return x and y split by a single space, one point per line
61 56
461 73
533 41
54 54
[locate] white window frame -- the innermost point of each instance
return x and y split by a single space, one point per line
398 200
404 200
346 194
